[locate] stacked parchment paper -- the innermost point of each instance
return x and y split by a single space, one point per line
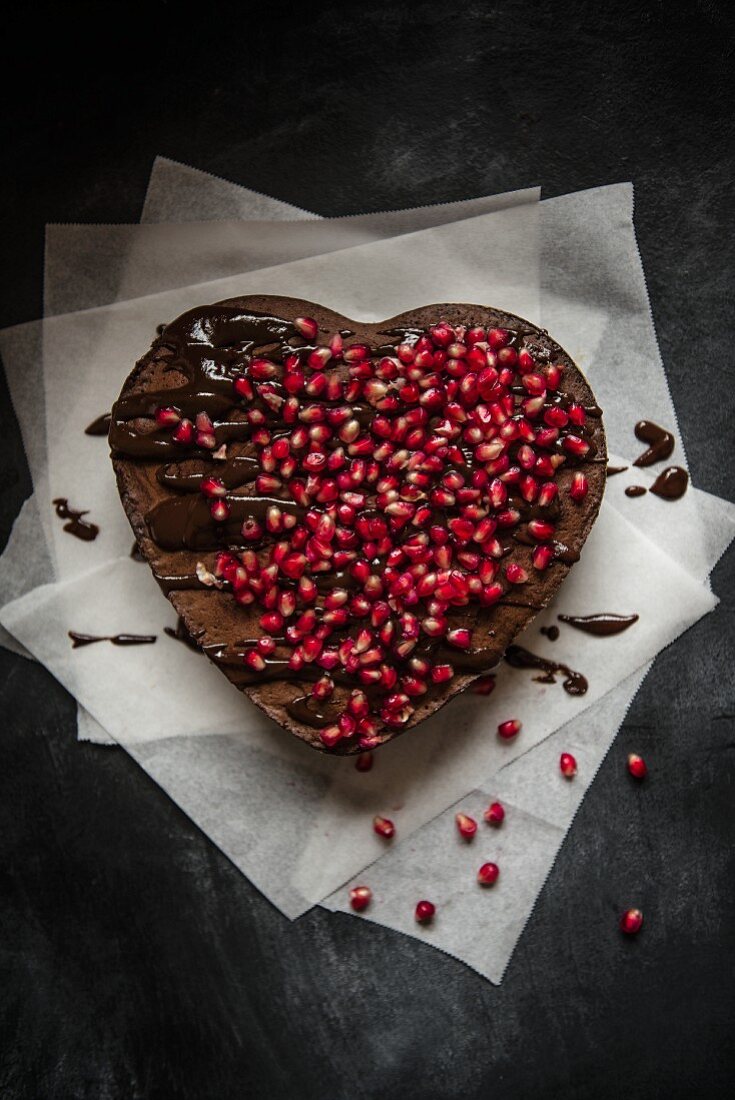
570 264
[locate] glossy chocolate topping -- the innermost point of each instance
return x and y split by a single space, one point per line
100 426
613 470
574 682
79 640
635 491
181 634
77 526
671 483
661 443
601 625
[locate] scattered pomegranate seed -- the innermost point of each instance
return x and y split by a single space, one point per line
494 814
213 487
488 874
579 487
220 510
637 766
360 897
425 911
184 434
483 685
631 921
567 765
306 327
467 825
509 729
364 762
383 826
167 416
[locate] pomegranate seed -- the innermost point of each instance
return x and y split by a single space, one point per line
575 445
467 826
579 487
184 434
483 685
637 766
567 765
364 762
509 729
167 416
542 557
360 897
631 921
494 814
306 327
498 338
460 638
488 874
425 911
213 487
254 660
251 530
330 735
219 510
384 827
441 673
515 574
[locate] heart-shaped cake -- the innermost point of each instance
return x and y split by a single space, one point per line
355 520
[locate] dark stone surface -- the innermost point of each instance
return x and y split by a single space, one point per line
134 960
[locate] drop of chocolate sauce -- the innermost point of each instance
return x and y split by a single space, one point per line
671 483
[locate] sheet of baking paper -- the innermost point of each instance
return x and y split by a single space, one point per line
174 195
137 260
139 693
167 773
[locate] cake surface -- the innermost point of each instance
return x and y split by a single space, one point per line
355 520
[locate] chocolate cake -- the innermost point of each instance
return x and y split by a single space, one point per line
355 520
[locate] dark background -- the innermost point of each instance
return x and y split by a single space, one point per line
134 960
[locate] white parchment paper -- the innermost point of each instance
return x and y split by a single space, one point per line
171 763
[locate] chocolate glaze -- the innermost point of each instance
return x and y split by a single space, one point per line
613 470
601 625
78 640
518 657
551 632
100 426
661 443
635 491
564 553
77 526
181 634
671 483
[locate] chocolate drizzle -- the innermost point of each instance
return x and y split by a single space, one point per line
574 683
661 443
602 625
77 526
635 491
671 483
181 634
551 632
79 640
613 470
100 426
